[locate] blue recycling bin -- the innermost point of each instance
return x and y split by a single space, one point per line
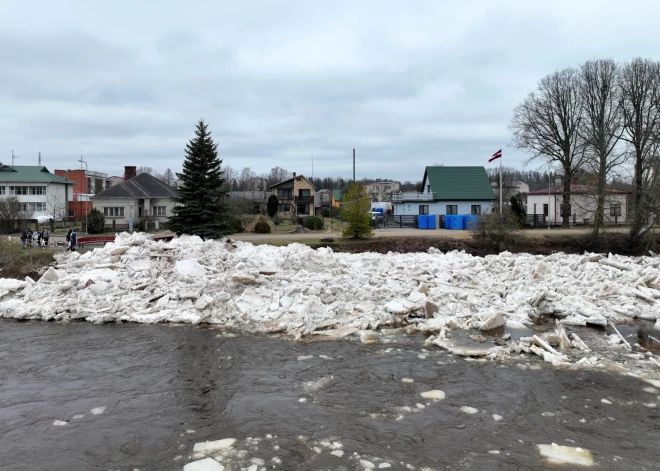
422 222
430 222
471 221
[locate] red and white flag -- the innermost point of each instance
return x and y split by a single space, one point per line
496 155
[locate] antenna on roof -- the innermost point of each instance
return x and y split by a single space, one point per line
13 157
39 159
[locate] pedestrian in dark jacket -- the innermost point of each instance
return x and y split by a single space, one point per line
23 238
74 239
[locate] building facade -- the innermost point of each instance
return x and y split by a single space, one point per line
448 190
296 196
382 191
548 202
43 195
140 198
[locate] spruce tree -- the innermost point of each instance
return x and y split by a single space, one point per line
200 208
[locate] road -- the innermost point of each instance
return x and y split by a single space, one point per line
434 233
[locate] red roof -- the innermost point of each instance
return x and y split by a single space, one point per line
575 190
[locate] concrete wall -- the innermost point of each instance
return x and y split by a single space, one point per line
440 207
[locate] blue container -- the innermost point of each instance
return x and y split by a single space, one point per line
379 210
447 221
422 222
431 222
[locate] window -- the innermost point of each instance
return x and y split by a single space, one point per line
304 193
476 209
159 210
114 212
615 209
285 208
18 190
452 209
2 190
545 209
284 193
37 190
428 188
303 209
24 207
423 209
72 213
37 207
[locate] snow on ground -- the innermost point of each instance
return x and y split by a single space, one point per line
304 292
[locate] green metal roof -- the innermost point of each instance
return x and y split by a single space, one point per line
29 174
337 194
459 183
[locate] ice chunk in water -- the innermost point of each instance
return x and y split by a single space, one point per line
207 464
337 453
60 423
434 394
213 446
367 464
558 454
469 410
98 410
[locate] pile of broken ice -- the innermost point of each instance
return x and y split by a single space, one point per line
301 291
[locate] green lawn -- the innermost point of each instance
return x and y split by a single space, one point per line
16 262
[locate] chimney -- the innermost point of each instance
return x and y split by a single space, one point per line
129 172
294 174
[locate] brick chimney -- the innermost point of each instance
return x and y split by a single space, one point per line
129 172
294 174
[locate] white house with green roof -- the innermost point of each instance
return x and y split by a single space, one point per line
42 194
448 190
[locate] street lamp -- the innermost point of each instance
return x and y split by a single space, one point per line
87 200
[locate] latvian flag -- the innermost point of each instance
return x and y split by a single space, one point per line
496 155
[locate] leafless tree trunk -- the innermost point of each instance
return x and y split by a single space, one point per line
546 123
601 128
640 90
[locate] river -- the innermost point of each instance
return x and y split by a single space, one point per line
80 396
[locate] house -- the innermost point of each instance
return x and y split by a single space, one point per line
448 190
510 189
337 196
42 194
382 191
112 181
296 195
140 198
87 183
548 202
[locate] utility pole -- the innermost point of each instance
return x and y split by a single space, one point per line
353 165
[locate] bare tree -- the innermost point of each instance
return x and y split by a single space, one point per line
10 209
56 203
231 177
546 123
601 127
277 175
246 180
168 177
640 90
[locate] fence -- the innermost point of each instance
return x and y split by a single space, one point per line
536 220
408 221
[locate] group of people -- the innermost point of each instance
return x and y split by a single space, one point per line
35 239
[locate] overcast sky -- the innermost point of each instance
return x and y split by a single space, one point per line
408 84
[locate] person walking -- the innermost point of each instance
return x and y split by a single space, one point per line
74 238
23 238
45 236
28 238
36 237
68 240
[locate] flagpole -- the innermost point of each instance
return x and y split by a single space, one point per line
501 189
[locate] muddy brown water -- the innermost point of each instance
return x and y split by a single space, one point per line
165 388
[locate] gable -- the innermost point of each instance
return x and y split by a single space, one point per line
458 183
139 187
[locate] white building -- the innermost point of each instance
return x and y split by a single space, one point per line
382 191
448 190
42 194
143 197
547 202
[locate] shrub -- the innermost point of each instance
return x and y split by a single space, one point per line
95 222
272 205
498 232
236 225
314 223
262 227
